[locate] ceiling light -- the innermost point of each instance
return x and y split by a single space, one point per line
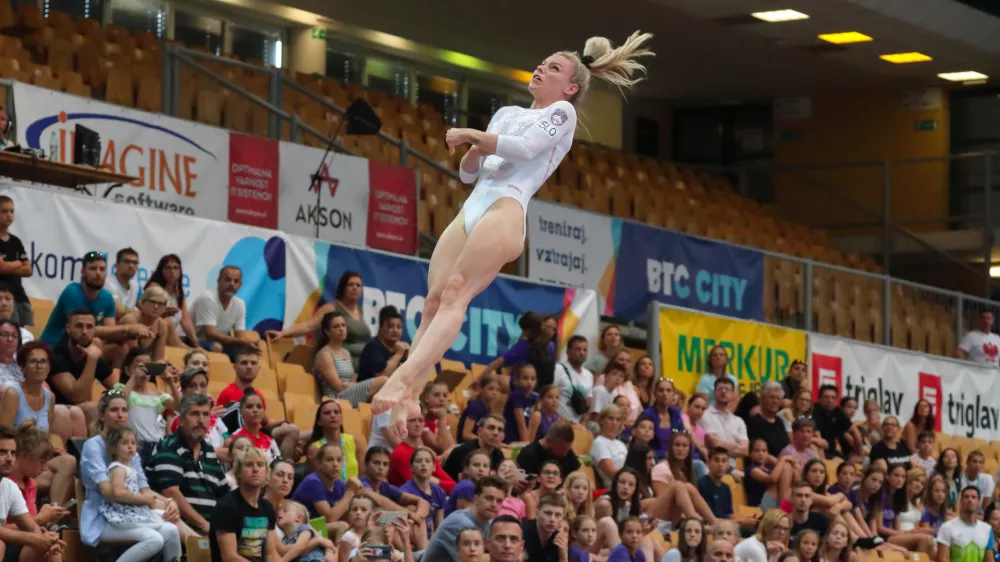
963 76
845 37
904 58
777 16
995 271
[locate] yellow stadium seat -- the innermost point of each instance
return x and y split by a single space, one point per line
739 494
301 355
301 410
365 411
266 380
297 381
582 440
197 549
352 419
41 310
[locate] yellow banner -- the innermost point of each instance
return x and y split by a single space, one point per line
757 353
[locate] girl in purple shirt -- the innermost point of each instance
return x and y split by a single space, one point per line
516 410
666 418
478 408
546 414
536 347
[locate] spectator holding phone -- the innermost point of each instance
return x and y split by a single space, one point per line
146 403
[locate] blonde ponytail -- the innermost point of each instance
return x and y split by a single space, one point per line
616 65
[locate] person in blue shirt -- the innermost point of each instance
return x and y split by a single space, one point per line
90 294
631 532
718 367
715 492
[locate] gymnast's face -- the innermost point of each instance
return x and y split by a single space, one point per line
551 80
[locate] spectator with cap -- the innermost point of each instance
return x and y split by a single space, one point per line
122 285
14 263
981 345
186 469
90 294
221 317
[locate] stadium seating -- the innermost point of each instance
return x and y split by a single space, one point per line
124 68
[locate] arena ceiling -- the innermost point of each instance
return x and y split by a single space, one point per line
707 49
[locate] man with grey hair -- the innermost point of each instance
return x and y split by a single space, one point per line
720 551
185 468
766 425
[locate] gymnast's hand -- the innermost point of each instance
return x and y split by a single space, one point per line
457 137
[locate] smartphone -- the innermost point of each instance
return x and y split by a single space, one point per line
388 518
377 552
155 369
70 504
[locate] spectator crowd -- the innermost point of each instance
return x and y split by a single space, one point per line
597 457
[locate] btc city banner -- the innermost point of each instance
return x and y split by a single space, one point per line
963 395
491 323
655 264
757 353
181 166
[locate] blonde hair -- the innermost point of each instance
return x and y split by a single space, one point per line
614 65
609 410
768 522
912 476
153 292
294 506
249 454
588 504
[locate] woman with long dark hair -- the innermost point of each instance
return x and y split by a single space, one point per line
346 302
328 427
333 366
645 380
922 420
169 274
536 347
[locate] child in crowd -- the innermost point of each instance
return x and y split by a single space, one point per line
300 543
518 407
479 407
847 476
631 532
545 414
359 513
146 403
236 446
643 432
949 467
579 495
807 546
763 484
422 467
477 465
512 505
974 476
924 457
935 504
711 487
128 508
916 481
582 536
603 394
623 404
252 412
435 401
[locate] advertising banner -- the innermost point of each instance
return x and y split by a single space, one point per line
70 226
253 180
757 353
571 247
181 166
342 186
679 270
962 394
392 208
491 323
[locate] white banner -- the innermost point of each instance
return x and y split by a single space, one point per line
57 230
569 246
343 210
181 166
963 395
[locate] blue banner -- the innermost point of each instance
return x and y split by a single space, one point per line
681 270
490 324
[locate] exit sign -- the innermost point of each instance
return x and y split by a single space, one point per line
319 33
926 125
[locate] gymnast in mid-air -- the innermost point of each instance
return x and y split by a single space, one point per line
508 163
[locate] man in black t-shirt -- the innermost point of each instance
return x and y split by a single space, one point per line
557 445
542 540
14 264
76 363
833 424
489 439
766 424
243 524
384 353
802 518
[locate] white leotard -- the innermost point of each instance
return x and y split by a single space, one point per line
531 144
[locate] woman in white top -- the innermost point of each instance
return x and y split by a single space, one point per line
607 453
769 542
509 162
916 482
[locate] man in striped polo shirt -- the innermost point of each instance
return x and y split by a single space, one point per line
185 468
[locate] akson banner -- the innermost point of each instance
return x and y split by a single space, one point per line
757 353
681 270
181 166
962 394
